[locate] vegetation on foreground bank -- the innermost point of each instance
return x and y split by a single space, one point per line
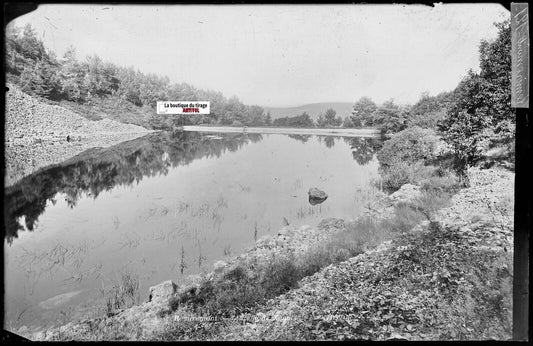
439 281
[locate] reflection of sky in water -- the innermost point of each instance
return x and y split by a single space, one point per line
210 208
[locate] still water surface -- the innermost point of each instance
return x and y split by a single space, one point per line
163 207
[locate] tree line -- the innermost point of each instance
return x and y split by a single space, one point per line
473 117
39 72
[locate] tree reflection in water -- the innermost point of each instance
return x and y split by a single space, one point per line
301 138
102 169
364 148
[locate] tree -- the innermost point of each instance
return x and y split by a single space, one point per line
495 64
268 119
348 123
42 80
30 45
480 112
302 120
99 77
330 116
321 120
256 116
129 86
428 111
329 119
15 61
467 125
362 112
389 117
235 112
72 76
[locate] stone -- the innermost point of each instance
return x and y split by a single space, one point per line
265 240
305 228
316 196
331 223
406 193
162 291
285 231
219 266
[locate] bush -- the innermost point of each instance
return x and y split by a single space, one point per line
409 146
396 175
428 177
402 172
241 287
405 217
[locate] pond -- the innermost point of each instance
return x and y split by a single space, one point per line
163 207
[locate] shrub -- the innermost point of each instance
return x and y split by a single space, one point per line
241 288
280 275
405 158
401 172
405 218
396 175
442 182
409 146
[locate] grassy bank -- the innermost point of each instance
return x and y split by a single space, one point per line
448 278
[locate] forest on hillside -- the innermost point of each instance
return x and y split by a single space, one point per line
92 81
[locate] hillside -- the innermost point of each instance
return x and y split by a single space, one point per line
313 109
36 134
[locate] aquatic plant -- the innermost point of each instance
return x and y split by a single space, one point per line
123 294
183 265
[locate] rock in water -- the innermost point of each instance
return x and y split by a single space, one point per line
163 290
316 196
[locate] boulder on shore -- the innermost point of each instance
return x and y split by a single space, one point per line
162 291
219 266
316 196
406 193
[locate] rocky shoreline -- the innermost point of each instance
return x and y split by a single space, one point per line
468 228
469 209
39 134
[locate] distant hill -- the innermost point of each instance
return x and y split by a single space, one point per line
314 109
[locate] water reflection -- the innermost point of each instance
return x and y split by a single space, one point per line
301 138
102 169
364 148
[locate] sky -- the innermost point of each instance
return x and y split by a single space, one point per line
282 55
